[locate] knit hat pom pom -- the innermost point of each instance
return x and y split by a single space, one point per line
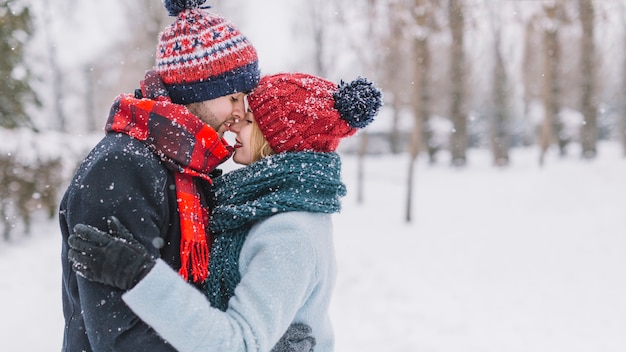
174 7
358 102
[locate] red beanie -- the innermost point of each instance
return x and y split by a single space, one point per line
298 111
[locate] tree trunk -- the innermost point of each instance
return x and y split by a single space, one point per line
369 69
500 138
420 112
317 20
416 140
589 129
458 138
57 75
623 109
527 84
361 167
420 102
394 72
90 98
550 127
394 135
409 198
550 93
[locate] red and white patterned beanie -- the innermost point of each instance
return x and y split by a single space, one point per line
302 112
202 56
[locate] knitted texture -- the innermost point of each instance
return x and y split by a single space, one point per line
306 181
186 146
297 338
298 112
358 102
202 56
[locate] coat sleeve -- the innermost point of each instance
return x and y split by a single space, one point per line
129 184
278 266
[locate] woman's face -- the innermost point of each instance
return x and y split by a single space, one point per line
244 153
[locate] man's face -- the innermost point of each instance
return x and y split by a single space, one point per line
219 112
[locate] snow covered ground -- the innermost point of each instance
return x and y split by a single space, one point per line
522 259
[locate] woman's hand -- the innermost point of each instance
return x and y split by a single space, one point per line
114 258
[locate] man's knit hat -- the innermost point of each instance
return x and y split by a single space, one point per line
298 111
202 56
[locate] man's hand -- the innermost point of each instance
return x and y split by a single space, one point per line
114 258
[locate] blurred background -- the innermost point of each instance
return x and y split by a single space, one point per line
456 75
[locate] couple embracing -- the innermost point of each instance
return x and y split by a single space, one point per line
162 252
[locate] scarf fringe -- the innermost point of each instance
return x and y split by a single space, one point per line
194 257
194 248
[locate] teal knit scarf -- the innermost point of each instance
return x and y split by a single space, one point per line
303 181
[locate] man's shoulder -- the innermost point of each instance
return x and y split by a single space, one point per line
121 148
119 157
120 143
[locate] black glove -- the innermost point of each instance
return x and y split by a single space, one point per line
297 338
113 258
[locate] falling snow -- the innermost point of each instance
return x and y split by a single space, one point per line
504 260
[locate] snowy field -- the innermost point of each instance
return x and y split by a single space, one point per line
523 259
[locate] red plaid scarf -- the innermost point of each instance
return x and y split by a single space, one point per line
187 146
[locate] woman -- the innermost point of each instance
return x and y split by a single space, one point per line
272 261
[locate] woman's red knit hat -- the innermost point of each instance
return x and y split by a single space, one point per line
298 111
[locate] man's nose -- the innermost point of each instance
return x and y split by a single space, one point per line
239 109
233 125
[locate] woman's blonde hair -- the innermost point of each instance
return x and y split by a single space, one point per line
260 146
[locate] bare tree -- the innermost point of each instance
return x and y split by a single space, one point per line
458 113
499 126
369 68
318 23
421 59
55 68
123 69
551 126
529 84
622 107
589 129
90 98
393 79
369 59
423 15
146 19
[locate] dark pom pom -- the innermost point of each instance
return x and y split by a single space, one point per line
358 102
174 7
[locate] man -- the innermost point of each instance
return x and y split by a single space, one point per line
151 170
